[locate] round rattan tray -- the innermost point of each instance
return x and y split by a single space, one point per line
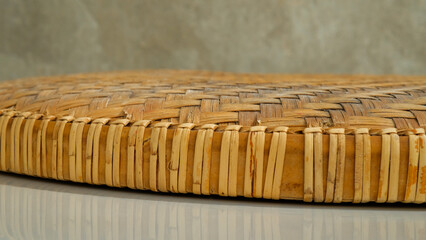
313 138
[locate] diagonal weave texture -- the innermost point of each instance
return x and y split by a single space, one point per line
316 138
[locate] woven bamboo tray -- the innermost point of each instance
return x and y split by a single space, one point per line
311 138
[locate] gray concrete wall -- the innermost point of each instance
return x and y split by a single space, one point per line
49 37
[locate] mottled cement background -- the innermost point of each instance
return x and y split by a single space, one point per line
50 37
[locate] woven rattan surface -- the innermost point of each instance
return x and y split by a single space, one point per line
316 138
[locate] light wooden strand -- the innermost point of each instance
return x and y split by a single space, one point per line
253 177
318 168
207 159
362 166
228 161
15 143
92 149
313 165
233 162
174 160
359 166
41 150
11 145
162 160
394 168
421 178
224 163
58 144
109 154
332 161
274 169
202 159
179 158
6 116
113 150
153 158
269 175
30 153
131 144
340 168
117 151
388 153
308 173
157 160
366 181
75 152
413 164
22 150
135 154
18 152
382 194
140 143
198 162
80 159
183 155
27 144
89 153
54 168
279 167
72 150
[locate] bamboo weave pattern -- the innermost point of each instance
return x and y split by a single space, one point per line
316 138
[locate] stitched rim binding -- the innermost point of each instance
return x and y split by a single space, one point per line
337 164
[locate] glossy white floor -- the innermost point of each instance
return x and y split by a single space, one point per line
40 209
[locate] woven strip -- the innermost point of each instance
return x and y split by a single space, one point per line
313 161
92 150
179 158
253 178
229 161
157 159
274 171
135 154
336 166
413 164
421 179
362 165
58 156
202 159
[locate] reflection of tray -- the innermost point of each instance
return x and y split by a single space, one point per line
316 138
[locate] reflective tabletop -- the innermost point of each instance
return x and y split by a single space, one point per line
31 208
